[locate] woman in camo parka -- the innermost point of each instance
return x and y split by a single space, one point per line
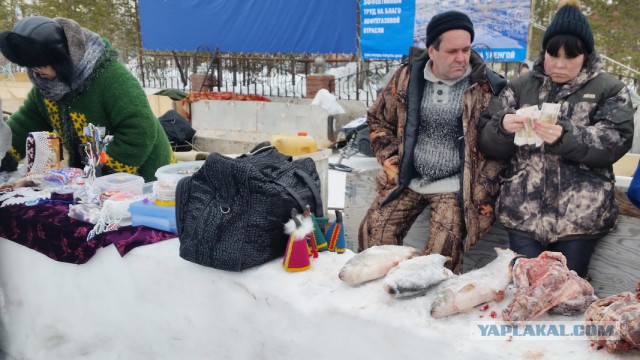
560 196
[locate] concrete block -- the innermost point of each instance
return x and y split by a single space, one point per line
260 119
227 141
224 115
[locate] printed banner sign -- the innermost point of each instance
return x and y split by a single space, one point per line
385 28
388 28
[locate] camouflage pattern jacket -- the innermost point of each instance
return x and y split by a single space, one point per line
564 190
394 121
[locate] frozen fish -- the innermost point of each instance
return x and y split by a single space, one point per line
415 276
375 262
463 292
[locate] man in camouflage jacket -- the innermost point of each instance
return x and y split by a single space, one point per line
423 133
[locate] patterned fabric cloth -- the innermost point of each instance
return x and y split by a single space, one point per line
48 229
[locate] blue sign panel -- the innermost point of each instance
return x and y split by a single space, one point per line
275 26
386 28
501 27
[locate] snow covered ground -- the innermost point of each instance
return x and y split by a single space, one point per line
151 304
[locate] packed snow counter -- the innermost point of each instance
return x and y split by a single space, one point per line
150 304
139 300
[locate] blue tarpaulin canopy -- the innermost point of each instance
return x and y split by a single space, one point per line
274 26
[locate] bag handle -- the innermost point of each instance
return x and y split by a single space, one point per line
314 191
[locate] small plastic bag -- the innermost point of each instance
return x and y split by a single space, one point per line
327 101
85 212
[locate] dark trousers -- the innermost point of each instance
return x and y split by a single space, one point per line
578 251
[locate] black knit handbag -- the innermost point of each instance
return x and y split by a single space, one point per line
231 213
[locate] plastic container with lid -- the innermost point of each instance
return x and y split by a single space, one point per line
178 170
144 212
120 182
293 145
164 189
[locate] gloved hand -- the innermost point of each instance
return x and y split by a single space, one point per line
9 163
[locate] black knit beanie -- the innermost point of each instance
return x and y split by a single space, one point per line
570 21
449 20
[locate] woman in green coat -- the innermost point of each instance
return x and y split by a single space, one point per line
78 80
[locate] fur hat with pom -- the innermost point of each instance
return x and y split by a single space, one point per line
38 41
570 21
